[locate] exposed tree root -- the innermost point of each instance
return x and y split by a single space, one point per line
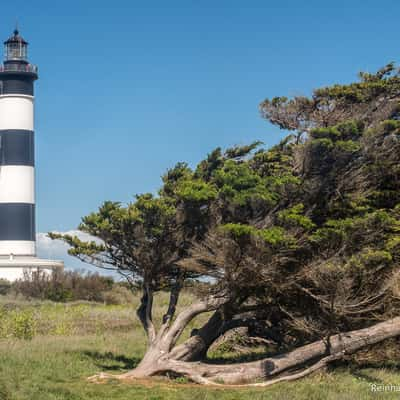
197 378
102 377
287 378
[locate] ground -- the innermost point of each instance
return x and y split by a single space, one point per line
47 351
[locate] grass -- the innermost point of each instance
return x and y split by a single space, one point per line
73 341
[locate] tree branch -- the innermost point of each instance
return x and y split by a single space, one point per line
144 313
195 348
183 319
173 301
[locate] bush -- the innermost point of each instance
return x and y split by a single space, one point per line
5 287
19 324
63 286
23 325
118 295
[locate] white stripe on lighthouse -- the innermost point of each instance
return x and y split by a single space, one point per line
17 247
16 112
17 184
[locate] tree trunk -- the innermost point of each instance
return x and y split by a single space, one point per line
158 362
196 347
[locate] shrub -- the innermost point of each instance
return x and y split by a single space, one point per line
20 324
23 325
5 287
118 295
294 217
63 286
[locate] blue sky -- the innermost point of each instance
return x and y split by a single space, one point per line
129 88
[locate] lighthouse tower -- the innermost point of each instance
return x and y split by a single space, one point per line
17 163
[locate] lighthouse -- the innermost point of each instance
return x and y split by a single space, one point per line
17 164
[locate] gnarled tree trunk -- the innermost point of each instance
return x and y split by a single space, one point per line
162 344
163 356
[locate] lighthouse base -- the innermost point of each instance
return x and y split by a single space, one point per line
16 267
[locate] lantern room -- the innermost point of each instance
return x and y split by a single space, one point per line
16 48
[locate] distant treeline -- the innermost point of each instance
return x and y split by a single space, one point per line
63 286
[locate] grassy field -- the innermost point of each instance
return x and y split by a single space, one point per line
47 350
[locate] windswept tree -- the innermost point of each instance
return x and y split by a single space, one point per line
299 243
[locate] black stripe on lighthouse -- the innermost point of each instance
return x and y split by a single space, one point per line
17 85
17 221
17 147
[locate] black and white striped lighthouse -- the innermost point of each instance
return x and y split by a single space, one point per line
17 161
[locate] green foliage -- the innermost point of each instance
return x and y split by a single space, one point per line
330 133
372 99
17 324
138 238
196 191
355 230
23 325
349 146
393 244
293 216
323 144
241 184
349 130
153 214
206 168
172 177
350 205
369 258
238 152
390 126
342 137
386 127
274 236
370 87
58 294
238 231
5 287
78 246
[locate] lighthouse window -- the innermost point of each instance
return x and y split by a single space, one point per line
16 50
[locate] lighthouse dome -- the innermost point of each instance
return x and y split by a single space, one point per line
16 38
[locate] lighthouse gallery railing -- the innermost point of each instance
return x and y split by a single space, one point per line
19 68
